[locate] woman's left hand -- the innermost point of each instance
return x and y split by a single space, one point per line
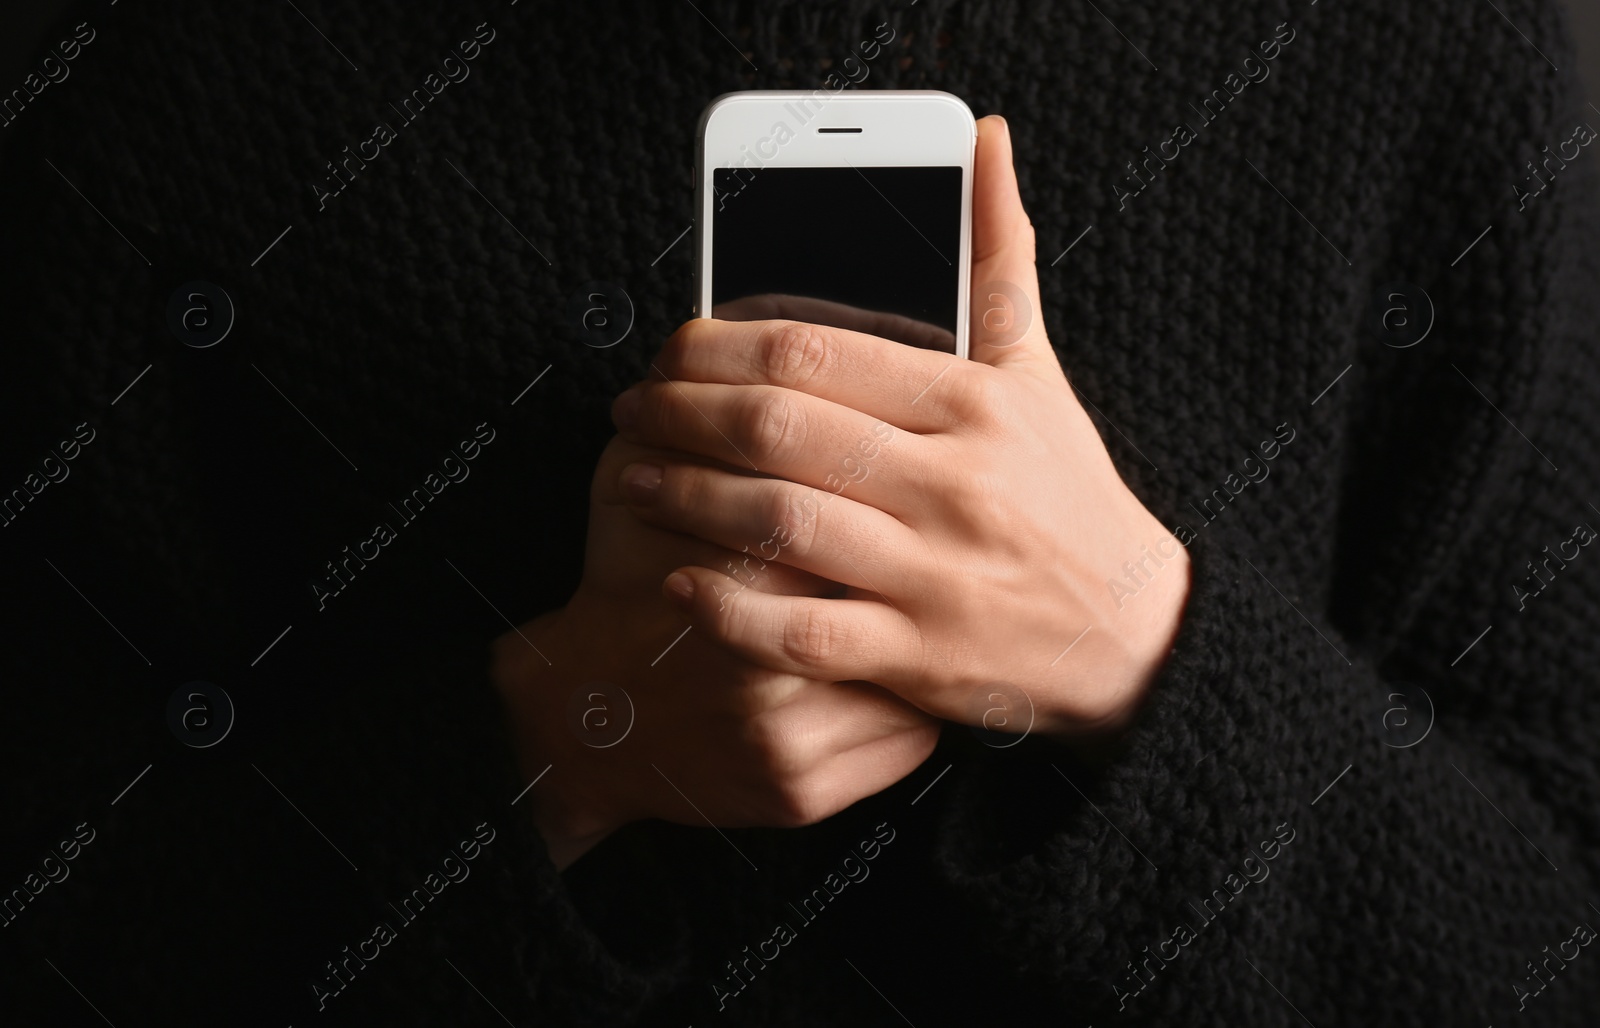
970 507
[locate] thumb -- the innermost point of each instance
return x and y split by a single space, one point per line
1007 328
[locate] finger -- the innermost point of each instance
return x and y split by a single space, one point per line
844 779
667 549
884 379
1007 327
886 760
662 550
824 719
884 324
837 640
775 520
780 432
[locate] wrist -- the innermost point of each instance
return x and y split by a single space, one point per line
1099 697
1152 628
1159 631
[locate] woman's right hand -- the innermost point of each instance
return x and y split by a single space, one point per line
634 725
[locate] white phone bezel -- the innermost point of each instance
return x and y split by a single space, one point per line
899 128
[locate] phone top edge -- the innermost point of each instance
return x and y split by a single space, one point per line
724 100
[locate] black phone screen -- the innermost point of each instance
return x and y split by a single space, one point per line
868 249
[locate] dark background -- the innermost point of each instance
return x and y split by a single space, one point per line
21 25
1585 15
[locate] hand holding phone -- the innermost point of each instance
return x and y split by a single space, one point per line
978 547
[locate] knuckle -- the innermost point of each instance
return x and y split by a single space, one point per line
811 639
775 744
784 762
795 520
771 425
800 802
795 353
976 397
975 501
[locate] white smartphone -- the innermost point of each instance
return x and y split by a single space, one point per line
849 208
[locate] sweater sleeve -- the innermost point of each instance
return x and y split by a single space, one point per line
1365 781
1269 810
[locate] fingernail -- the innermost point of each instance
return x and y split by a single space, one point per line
641 481
679 589
625 409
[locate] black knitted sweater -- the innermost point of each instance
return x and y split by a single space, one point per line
1363 790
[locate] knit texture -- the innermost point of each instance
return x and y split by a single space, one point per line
1222 296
